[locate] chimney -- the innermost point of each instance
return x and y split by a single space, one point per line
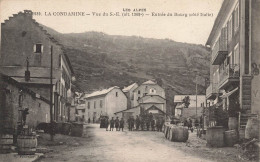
27 72
28 13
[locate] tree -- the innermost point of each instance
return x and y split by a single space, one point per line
186 101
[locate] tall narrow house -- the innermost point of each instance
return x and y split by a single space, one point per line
26 58
235 58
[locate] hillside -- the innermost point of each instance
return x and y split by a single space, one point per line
100 60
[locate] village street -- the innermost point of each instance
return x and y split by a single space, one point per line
101 145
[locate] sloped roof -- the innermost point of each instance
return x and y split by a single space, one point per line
10 80
149 82
155 108
99 93
126 89
38 75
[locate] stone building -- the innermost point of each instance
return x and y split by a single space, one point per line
26 58
149 97
235 58
14 98
105 102
129 92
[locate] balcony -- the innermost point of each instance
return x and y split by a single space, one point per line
219 51
212 91
229 75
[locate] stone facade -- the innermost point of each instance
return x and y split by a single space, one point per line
107 103
24 38
16 98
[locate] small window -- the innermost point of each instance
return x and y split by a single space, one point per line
38 48
88 105
116 94
139 92
101 103
83 110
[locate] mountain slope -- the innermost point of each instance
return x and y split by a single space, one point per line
100 60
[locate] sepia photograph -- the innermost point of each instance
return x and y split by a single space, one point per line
129 80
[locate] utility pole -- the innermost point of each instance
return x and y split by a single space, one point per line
51 95
196 94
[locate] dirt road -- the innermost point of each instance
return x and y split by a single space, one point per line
102 145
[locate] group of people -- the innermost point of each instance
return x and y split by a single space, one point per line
143 122
118 124
189 124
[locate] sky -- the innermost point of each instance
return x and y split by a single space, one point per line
189 29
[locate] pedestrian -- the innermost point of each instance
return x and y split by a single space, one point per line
196 123
152 124
88 120
106 123
161 124
190 125
132 123
117 124
122 122
158 123
142 123
112 124
147 124
129 123
185 123
137 122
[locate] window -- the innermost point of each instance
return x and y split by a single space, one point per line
20 100
139 92
94 104
83 110
88 105
236 55
101 103
116 94
152 90
236 17
38 48
230 58
230 26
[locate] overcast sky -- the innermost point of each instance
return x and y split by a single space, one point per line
194 29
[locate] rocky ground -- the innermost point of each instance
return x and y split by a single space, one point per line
100 145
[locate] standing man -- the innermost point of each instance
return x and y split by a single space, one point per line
122 123
112 124
137 122
106 123
152 124
117 124
142 123
129 123
132 123
148 123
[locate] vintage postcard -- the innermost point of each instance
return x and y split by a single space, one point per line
129 80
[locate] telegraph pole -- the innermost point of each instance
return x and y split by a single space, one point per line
51 95
196 95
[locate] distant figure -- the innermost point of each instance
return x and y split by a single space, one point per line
147 124
152 124
129 123
190 125
185 123
88 120
132 123
112 124
117 124
142 123
106 123
137 122
93 119
122 123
